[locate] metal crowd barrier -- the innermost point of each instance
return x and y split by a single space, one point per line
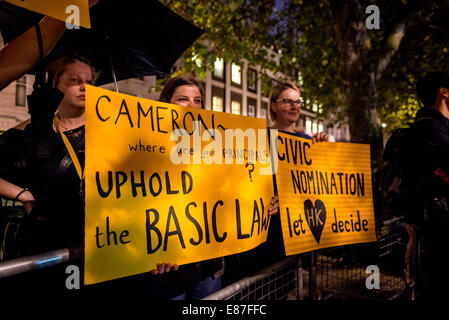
342 271
280 281
13 267
333 273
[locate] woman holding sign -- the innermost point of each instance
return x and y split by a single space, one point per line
186 91
285 105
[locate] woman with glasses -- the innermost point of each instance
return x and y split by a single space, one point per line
285 105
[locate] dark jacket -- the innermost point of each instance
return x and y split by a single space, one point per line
426 193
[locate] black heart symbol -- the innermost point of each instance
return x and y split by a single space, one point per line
315 217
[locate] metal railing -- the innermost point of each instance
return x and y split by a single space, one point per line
13 267
279 281
333 273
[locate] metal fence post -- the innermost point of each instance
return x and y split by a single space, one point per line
312 276
300 279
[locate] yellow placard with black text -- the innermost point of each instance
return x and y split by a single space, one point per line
71 10
170 184
325 193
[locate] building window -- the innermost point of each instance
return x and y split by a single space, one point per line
252 106
252 80
320 127
314 127
217 103
263 110
308 126
218 98
251 111
21 91
236 74
219 69
235 107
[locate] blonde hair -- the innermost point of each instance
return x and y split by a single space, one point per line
275 92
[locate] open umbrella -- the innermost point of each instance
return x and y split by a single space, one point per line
127 39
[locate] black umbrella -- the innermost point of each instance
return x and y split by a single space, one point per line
128 39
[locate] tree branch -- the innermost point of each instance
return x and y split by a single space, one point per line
392 45
393 41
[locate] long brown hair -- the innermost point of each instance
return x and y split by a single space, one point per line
183 80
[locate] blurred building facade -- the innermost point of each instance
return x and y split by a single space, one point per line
229 87
13 102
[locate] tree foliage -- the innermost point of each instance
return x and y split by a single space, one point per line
338 58
234 30
425 48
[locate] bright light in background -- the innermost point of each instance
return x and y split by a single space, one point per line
236 76
308 126
197 60
219 68
384 125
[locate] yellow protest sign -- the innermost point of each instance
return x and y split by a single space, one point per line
325 193
170 184
73 11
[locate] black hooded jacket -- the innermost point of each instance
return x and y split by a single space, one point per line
426 193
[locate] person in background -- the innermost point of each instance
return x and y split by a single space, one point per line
425 186
52 191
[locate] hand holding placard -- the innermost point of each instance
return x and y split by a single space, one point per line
316 179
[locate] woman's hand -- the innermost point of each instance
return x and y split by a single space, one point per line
274 206
320 137
164 268
27 200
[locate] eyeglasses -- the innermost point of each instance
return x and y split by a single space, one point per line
296 103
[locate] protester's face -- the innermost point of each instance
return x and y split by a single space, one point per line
187 96
287 106
72 84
